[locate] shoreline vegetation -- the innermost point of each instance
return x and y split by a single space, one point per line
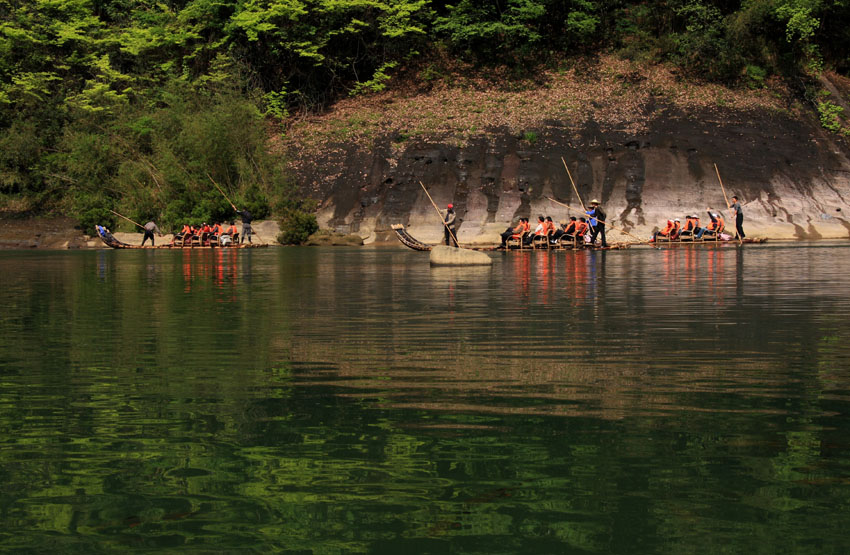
141 108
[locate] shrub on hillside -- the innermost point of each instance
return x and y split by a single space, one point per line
297 224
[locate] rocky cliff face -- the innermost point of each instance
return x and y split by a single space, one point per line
793 177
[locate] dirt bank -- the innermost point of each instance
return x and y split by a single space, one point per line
639 139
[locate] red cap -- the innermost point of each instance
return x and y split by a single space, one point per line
451 206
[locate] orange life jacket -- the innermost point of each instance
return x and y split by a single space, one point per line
571 228
548 228
520 227
217 229
232 230
542 228
526 227
582 228
186 230
667 229
691 224
720 224
206 229
677 227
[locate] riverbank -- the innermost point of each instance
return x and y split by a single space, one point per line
61 233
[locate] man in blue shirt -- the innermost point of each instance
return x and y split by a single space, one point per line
597 222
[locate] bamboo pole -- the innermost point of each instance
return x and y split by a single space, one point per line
234 207
722 188
434 204
578 196
643 241
222 193
128 219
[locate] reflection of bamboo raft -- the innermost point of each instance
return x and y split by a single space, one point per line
110 241
410 241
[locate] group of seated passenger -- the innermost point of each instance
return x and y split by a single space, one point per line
569 230
675 229
207 234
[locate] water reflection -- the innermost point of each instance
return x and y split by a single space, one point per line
359 400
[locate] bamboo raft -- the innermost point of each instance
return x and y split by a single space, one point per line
716 239
538 243
110 241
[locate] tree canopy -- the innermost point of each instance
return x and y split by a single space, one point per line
98 97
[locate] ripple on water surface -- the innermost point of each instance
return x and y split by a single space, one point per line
359 400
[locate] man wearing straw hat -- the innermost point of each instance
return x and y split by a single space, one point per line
597 222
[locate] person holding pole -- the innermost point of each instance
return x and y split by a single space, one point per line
739 218
149 228
597 222
449 222
246 223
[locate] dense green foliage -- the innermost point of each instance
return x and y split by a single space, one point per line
297 223
129 103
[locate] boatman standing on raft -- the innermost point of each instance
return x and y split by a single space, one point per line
597 222
150 227
246 224
739 218
449 227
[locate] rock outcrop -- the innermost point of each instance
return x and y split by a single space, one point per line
441 255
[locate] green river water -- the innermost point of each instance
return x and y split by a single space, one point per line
694 400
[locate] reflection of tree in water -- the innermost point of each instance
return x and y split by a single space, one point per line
334 406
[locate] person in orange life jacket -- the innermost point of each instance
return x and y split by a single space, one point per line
184 233
581 230
664 232
519 229
449 223
691 225
217 230
549 226
567 228
233 232
677 228
541 221
714 227
597 226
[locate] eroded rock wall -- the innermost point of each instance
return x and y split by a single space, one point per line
793 179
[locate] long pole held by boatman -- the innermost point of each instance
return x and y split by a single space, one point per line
440 214
233 205
126 218
722 188
222 193
583 207
568 207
